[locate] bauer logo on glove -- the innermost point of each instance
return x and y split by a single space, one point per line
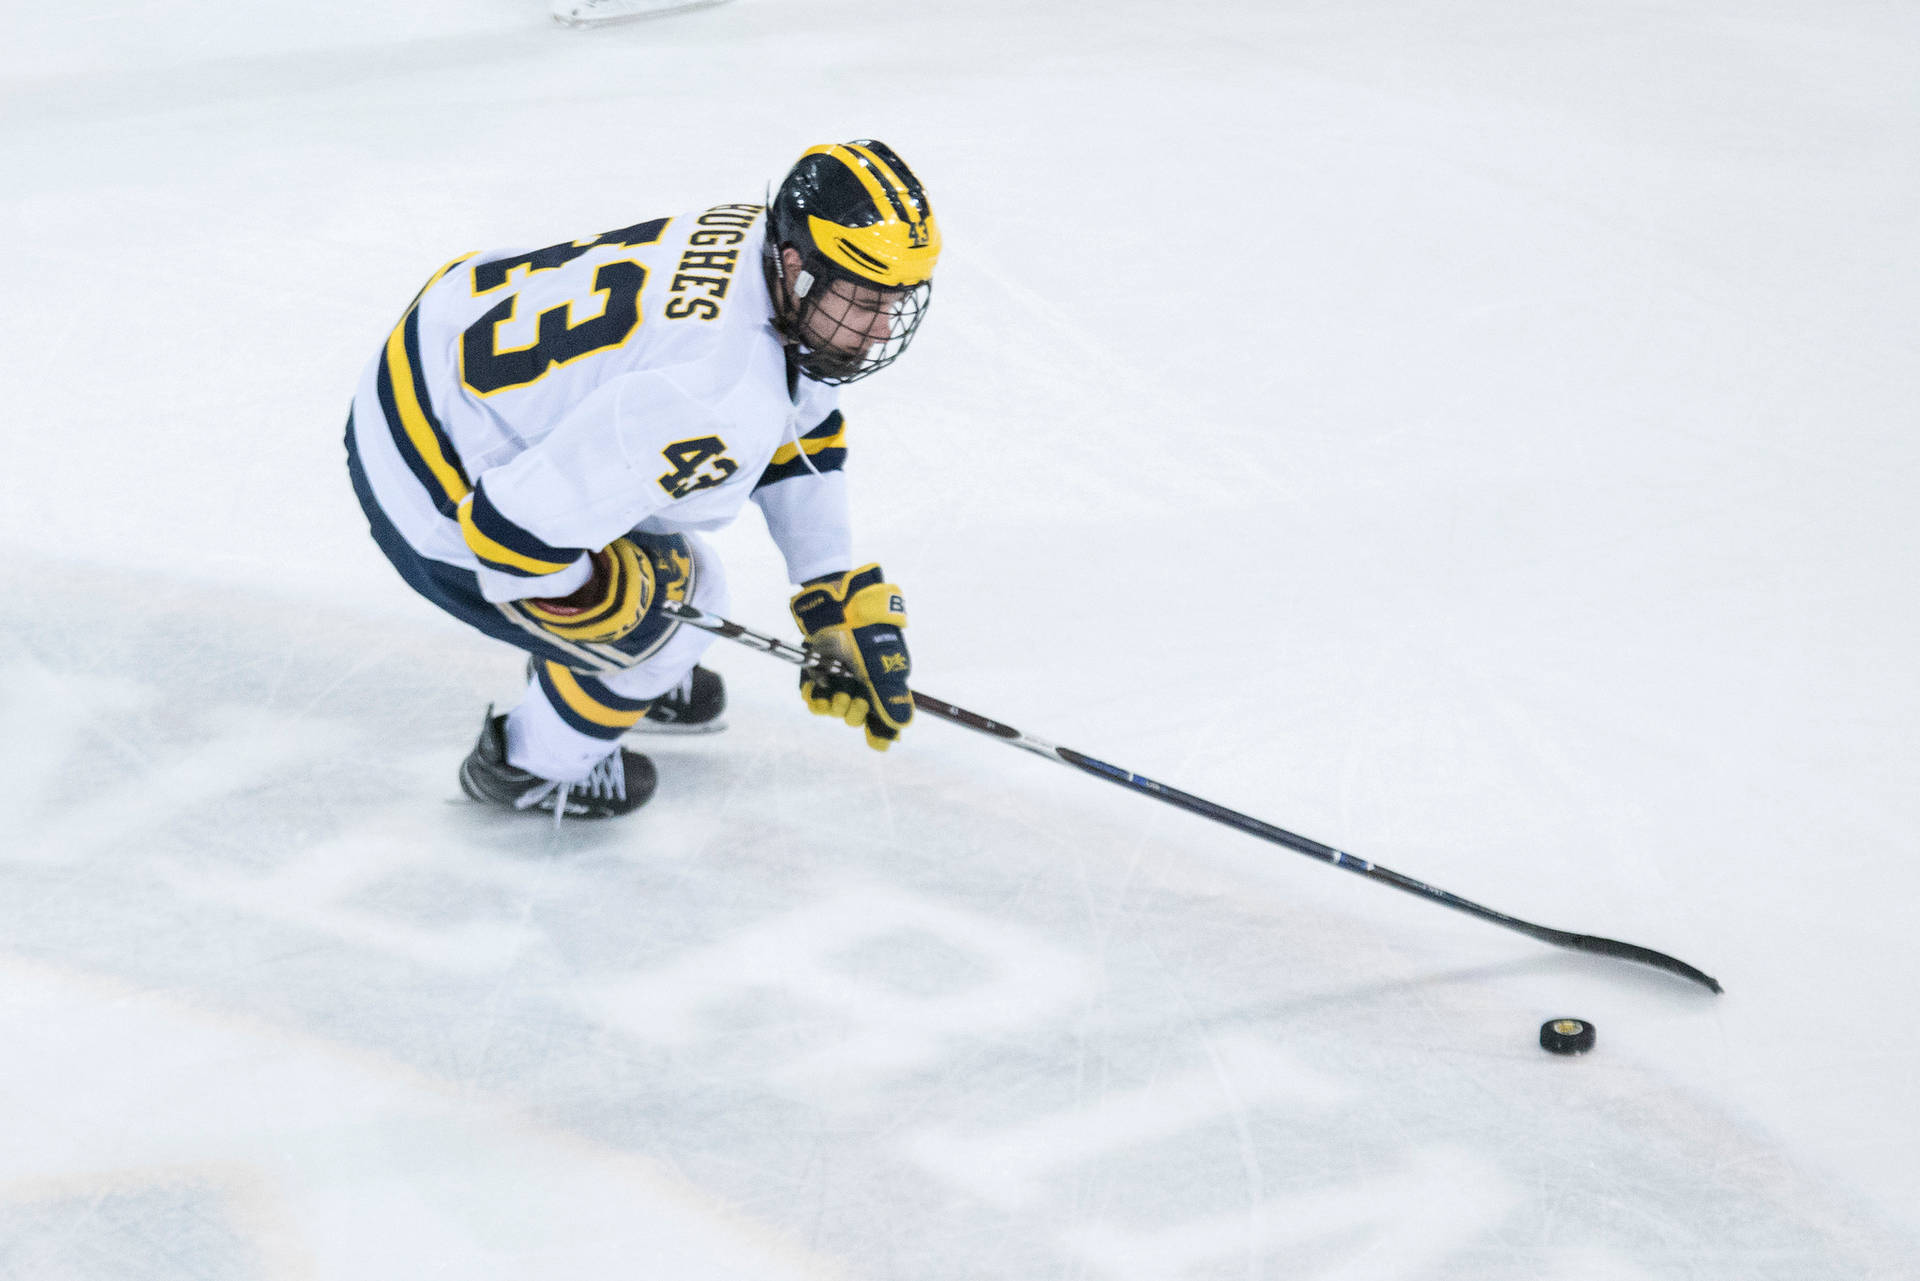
856 618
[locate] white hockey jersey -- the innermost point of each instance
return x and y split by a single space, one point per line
535 405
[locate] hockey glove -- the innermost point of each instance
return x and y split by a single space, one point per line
610 605
857 618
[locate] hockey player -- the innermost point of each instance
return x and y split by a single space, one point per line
540 438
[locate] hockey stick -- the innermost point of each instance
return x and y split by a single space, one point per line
803 657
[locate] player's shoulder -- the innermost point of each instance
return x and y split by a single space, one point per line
700 253
707 305
710 257
815 402
684 295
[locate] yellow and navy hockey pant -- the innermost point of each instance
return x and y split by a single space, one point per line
599 689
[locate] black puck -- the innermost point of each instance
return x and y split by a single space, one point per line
1566 1036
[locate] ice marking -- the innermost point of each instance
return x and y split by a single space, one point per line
885 1029
1010 1167
337 887
238 749
1407 1221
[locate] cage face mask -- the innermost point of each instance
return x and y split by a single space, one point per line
860 222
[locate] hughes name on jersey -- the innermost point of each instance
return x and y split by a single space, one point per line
535 405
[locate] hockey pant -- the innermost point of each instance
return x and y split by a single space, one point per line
581 697
570 719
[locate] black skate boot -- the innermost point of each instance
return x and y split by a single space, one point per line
691 707
620 784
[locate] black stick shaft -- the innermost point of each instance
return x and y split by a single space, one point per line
802 657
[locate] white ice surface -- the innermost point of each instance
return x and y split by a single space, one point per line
1480 435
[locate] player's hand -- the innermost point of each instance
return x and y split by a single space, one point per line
858 618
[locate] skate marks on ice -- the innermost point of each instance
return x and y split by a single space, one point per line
884 983
940 1049
109 1228
236 1149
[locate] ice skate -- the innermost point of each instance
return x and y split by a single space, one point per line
619 784
600 13
694 706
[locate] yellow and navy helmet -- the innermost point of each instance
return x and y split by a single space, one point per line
867 241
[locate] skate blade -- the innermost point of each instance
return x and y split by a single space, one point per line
654 729
569 15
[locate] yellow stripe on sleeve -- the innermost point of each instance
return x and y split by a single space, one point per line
787 453
414 420
435 278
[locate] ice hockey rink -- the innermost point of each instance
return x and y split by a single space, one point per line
1480 436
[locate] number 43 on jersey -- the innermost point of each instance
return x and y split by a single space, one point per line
700 463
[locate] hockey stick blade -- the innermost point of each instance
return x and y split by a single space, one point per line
803 657
1644 955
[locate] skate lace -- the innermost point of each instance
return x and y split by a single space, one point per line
607 781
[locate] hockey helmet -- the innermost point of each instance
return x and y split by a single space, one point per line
867 241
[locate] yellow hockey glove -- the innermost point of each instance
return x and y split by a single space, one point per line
610 605
858 618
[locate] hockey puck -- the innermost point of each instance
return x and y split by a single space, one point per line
1566 1036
